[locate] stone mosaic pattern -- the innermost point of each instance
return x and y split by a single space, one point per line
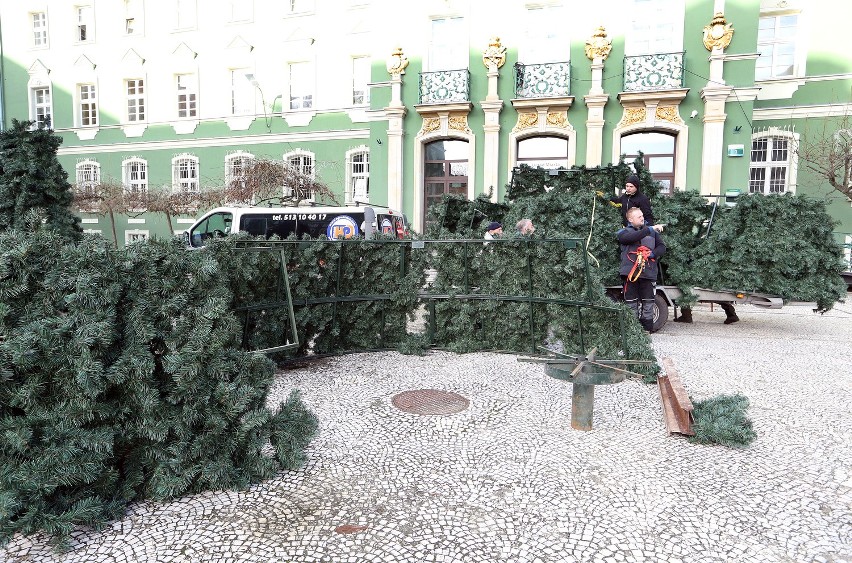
509 480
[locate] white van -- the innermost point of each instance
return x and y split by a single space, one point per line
334 222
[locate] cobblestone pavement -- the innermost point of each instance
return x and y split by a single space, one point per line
507 479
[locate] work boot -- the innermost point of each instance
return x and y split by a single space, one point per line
730 313
647 324
685 315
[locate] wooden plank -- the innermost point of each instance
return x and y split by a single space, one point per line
677 408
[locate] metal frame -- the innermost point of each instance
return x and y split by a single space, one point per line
424 296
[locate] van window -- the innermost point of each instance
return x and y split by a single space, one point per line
217 224
267 225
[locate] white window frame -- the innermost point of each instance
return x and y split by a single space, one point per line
302 83
358 175
40 37
84 22
300 6
243 93
134 175
656 27
235 164
240 11
87 175
795 42
547 39
361 80
132 236
41 110
134 23
304 161
138 98
186 95
770 166
447 36
87 103
186 14
185 174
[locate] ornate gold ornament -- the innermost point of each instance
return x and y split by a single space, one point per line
633 115
526 119
495 54
397 62
598 45
718 33
431 124
459 123
668 113
558 119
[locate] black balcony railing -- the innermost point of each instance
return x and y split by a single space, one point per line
660 71
543 80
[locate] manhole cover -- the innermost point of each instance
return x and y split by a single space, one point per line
429 401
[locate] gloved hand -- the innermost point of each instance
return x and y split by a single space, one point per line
614 204
599 193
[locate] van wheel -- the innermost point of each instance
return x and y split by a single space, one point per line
661 312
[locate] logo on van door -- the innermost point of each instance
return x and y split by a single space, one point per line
342 227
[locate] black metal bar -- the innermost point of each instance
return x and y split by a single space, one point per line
580 329
530 291
337 287
464 269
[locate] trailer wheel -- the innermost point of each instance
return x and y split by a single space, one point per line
661 312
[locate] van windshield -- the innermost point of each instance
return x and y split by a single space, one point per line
216 225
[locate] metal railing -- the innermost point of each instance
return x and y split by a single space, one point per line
445 86
659 71
543 80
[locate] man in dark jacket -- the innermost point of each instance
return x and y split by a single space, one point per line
641 246
633 197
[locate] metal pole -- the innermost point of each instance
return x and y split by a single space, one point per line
582 406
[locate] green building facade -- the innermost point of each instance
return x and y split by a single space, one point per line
398 104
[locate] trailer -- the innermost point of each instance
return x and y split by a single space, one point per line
668 295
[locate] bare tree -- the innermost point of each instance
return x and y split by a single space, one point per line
825 148
262 181
265 180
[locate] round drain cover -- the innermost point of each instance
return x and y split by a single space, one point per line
429 401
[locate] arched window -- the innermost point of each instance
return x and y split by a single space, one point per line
543 152
235 166
134 175
358 175
185 173
772 169
658 155
88 176
302 161
445 171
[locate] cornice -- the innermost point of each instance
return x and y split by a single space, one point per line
802 112
241 140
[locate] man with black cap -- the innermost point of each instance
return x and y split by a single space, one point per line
494 229
633 197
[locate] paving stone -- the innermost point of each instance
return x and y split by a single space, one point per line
507 479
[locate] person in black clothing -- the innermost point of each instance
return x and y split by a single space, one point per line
632 196
641 246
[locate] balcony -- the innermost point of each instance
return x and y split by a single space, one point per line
445 86
662 71
545 80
